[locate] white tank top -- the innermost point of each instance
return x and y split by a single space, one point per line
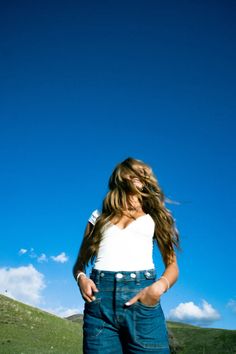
126 249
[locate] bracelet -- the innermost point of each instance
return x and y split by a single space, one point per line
79 274
167 281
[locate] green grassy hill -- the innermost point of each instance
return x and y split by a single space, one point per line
28 330
188 339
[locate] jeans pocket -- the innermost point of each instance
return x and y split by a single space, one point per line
93 323
139 303
97 300
150 329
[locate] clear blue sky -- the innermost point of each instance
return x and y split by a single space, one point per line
85 85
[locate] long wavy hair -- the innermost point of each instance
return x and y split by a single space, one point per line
152 200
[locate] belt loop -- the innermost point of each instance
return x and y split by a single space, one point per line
137 279
97 277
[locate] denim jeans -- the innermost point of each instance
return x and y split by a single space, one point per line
111 327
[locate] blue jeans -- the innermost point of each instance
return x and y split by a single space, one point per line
111 327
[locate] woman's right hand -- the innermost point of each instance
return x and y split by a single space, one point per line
87 287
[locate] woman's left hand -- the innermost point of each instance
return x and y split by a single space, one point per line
148 296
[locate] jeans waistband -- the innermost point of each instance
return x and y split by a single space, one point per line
126 276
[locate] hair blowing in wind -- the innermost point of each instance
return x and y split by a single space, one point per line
118 202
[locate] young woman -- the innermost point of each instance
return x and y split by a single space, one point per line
122 309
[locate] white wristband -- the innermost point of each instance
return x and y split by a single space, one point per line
79 274
167 281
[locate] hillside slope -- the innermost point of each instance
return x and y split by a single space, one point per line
28 330
190 339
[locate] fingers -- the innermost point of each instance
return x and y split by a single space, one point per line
93 286
134 299
145 297
87 288
88 298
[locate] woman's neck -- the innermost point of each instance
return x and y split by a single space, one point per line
134 205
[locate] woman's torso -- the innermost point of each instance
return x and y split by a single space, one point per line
126 245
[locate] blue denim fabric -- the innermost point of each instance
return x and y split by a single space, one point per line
112 327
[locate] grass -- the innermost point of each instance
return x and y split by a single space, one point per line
188 339
28 330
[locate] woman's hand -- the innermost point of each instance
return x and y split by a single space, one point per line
148 296
87 287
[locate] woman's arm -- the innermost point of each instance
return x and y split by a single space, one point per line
86 285
171 273
77 267
91 222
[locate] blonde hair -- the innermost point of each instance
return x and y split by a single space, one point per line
151 198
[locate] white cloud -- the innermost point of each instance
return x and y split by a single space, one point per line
22 251
23 283
32 254
189 312
63 311
60 258
42 258
232 305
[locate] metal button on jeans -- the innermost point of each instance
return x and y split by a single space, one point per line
119 275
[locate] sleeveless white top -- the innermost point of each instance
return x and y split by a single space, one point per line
127 249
